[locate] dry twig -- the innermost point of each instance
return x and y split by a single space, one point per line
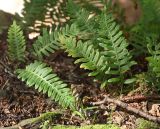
128 108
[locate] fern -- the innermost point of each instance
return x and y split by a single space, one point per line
39 75
114 48
154 59
108 63
48 43
45 45
89 57
16 43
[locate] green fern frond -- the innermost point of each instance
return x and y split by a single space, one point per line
154 59
111 62
148 25
48 43
16 43
41 77
45 45
89 57
114 48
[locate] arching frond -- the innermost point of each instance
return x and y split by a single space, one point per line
41 77
89 57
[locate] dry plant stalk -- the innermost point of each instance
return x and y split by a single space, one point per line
128 108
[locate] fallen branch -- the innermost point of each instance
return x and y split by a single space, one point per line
128 108
139 98
40 118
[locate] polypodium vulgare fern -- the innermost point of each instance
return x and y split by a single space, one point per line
89 57
114 48
45 45
41 77
109 63
16 43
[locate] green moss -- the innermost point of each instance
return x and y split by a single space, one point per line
144 124
98 126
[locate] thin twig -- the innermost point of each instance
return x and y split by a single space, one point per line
128 108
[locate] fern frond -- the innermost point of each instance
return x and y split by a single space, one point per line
114 46
45 45
16 43
111 62
154 59
41 77
89 57
48 43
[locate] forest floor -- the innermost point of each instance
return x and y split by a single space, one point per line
18 102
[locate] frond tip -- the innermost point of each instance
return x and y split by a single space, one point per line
16 43
39 75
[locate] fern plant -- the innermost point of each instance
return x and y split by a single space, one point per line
16 43
108 61
97 44
114 48
90 58
39 75
111 60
